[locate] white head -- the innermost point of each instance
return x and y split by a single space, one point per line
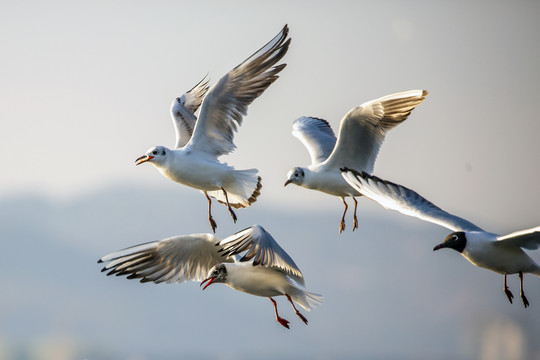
295 176
217 274
156 155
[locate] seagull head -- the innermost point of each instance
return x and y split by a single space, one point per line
456 240
295 176
156 154
217 274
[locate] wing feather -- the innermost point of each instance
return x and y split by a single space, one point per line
406 201
175 259
183 110
226 104
528 239
260 247
363 129
316 135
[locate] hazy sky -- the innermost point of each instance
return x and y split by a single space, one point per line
86 89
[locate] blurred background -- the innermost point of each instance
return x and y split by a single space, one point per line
86 89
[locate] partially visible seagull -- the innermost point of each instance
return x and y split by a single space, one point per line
265 269
193 161
501 254
361 134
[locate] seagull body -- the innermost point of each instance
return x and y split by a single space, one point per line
361 134
199 142
265 269
501 254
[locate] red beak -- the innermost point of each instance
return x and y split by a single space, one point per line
210 280
142 159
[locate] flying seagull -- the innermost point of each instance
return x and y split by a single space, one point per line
361 134
501 254
264 269
199 142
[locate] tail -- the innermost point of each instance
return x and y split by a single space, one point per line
306 299
243 191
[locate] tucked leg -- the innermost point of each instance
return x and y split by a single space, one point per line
302 317
213 224
355 220
279 319
233 215
507 290
342 223
521 293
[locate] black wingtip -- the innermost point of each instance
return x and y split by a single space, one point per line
99 261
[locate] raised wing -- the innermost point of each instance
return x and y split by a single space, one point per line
260 246
528 239
225 105
176 259
363 129
183 112
316 135
406 201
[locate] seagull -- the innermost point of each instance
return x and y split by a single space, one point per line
501 254
264 269
361 134
199 142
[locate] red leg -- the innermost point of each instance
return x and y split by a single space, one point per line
233 215
355 220
302 317
342 223
279 319
213 224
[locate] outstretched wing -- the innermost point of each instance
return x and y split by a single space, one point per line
183 112
175 259
225 105
363 129
260 246
406 201
528 239
316 135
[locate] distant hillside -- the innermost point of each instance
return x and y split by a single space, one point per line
387 295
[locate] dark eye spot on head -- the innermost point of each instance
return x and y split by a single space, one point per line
155 152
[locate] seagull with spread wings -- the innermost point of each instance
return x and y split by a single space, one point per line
361 134
199 142
501 254
263 269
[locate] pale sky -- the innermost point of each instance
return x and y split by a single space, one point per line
86 89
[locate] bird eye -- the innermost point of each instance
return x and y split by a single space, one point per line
155 152
455 237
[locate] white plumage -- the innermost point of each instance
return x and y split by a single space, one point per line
502 254
194 160
250 261
361 134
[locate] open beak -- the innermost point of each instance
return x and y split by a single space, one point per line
440 246
142 159
210 280
287 182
